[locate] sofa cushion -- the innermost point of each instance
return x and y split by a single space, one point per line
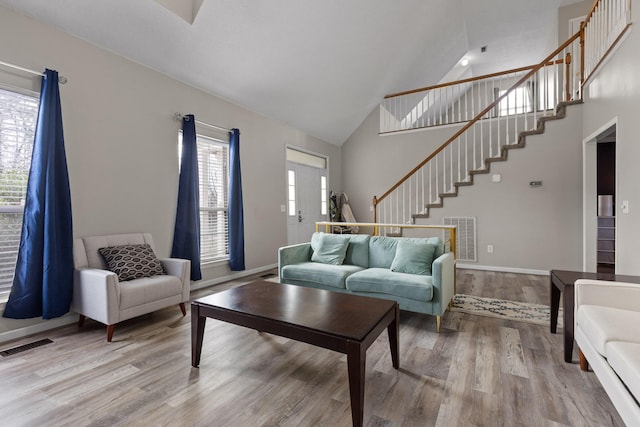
358 250
624 359
606 324
385 281
329 248
382 249
315 272
148 289
413 257
132 261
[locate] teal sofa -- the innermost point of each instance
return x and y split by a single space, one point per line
415 272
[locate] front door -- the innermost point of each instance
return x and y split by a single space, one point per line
305 201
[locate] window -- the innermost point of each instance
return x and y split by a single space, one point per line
323 195
18 117
517 101
213 170
291 192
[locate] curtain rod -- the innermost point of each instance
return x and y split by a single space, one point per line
61 79
178 116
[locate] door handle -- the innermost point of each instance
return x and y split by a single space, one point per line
299 216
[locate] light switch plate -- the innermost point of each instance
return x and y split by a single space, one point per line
625 206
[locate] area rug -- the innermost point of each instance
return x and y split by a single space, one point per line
491 307
504 309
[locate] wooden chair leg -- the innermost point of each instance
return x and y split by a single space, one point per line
584 363
183 308
110 329
438 321
81 320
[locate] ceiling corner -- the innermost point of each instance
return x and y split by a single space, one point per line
185 9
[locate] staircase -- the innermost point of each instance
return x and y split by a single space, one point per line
559 113
512 105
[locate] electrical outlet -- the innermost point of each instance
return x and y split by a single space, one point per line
490 249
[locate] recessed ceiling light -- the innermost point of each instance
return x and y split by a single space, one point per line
464 62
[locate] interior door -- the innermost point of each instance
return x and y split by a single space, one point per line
304 207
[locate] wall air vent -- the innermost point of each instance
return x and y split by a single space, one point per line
465 237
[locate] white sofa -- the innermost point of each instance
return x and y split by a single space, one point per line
607 331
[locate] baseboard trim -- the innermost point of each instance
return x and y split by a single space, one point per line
503 269
45 325
72 317
216 281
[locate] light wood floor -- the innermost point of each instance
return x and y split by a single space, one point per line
478 371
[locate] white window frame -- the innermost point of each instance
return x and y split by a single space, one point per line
213 178
518 101
291 192
17 131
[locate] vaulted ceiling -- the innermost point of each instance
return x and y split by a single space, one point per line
318 65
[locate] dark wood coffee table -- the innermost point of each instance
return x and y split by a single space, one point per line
340 322
562 281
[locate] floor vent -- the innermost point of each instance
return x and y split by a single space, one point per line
465 237
25 347
267 276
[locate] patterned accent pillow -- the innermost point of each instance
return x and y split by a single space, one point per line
132 261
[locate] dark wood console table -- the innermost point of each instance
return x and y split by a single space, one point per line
562 281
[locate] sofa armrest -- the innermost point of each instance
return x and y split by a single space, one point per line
293 254
625 296
443 275
96 295
180 268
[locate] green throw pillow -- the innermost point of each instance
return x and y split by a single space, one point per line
329 248
413 257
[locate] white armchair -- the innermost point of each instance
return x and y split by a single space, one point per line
99 295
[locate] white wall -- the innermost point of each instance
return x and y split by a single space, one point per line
121 143
614 94
530 228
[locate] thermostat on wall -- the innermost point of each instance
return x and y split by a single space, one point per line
535 184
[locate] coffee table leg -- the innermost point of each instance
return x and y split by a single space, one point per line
555 304
356 365
197 334
567 309
393 330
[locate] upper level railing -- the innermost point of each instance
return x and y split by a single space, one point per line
531 93
607 21
460 101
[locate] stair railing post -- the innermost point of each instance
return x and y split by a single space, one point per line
375 215
581 57
567 69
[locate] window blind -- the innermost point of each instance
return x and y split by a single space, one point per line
18 117
213 166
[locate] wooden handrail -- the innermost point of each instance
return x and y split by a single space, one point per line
477 118
470 79
582 39
591 12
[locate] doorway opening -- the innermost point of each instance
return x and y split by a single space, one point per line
606 201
